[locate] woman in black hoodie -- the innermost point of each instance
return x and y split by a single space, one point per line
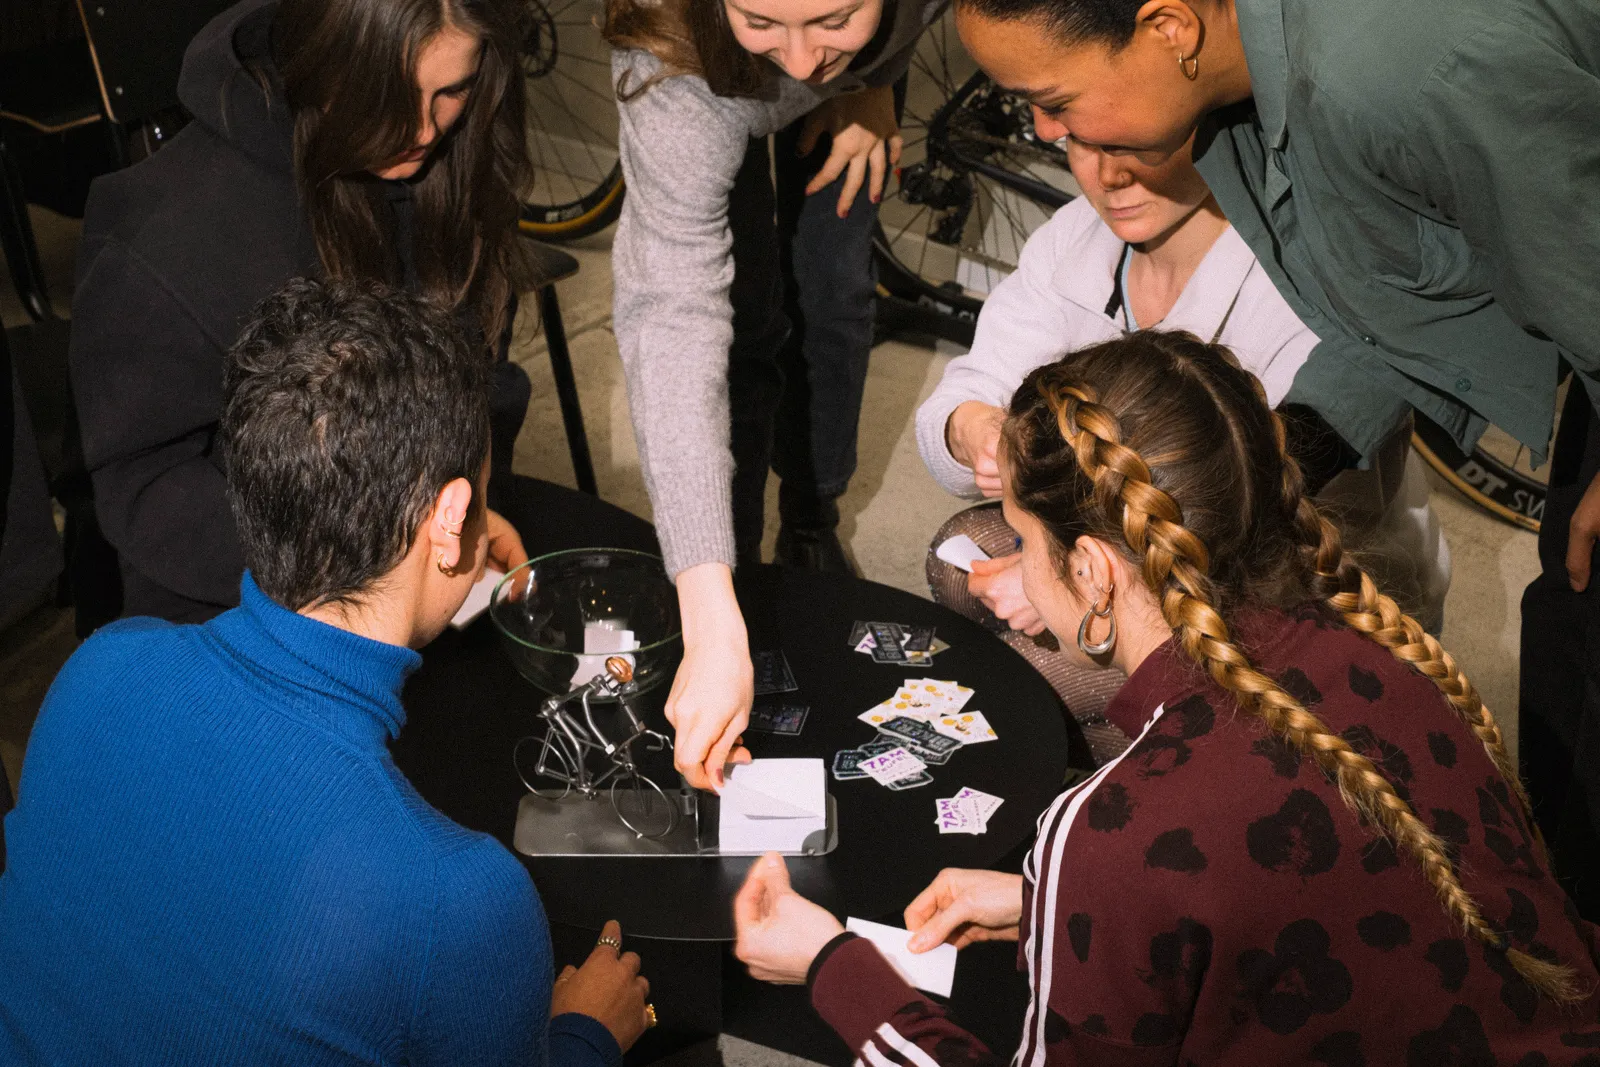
375 139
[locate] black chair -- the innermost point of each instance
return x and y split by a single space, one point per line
551 265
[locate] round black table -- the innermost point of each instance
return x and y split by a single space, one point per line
467 707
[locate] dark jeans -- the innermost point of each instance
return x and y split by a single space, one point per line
804 295
1559 739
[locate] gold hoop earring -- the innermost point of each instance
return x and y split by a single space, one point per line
440 564
1190 72
1099 648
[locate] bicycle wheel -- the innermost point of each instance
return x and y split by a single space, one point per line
572 122
1498 475
974 181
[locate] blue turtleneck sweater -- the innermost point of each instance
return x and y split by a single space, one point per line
214 860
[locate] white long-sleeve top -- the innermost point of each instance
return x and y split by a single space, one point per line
1055 303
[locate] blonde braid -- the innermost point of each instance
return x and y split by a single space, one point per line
1175 563
1368 611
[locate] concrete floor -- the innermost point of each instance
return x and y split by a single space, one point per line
891 512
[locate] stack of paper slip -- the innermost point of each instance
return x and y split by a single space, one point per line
773 805
966 813
937 702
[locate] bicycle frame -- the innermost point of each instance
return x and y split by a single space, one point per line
943 148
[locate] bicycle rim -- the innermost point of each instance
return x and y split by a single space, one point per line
973 183
1498 475
572 121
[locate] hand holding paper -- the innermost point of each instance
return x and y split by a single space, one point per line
960 551
962 907
933 971
778 932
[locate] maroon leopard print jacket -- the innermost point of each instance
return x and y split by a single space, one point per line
1207 898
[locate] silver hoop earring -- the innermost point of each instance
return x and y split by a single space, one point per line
1099 648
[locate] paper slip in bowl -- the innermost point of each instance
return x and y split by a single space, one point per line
933 971
477 601
959 551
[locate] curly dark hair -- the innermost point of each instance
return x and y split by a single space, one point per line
347 406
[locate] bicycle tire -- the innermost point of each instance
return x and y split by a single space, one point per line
577 185
578 218
973 183
1499 489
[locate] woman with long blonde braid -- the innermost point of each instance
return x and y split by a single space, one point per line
1313 852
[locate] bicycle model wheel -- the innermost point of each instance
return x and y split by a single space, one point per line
643 806
572 122
553 771
974 181
1498 475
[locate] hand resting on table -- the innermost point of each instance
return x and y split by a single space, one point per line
608 988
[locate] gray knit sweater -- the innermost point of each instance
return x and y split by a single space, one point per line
672 262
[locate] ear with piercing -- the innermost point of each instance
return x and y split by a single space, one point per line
445 523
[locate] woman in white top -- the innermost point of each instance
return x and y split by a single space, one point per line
1144 247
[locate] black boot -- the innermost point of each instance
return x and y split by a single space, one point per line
808 538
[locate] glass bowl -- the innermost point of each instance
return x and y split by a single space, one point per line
561 615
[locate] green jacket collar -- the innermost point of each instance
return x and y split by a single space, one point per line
1261 29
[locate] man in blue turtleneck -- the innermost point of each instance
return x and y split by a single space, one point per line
213 859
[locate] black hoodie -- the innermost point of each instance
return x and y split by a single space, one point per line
176 253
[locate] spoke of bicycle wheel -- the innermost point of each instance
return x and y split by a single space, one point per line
572 114
591 90
922 64
568 57
587 147
1019 232
922 210
560 167
944 55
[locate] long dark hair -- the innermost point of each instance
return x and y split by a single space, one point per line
688 37
349 72
1160 445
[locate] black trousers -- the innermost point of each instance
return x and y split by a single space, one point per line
1559 737
804 296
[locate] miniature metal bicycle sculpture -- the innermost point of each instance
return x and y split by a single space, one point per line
568 741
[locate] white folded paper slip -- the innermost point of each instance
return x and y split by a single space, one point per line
477 601
773 805
960 551
933 971
601 641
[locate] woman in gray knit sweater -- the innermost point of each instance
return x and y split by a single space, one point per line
744 305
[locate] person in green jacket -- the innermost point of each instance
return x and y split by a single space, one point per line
1422 183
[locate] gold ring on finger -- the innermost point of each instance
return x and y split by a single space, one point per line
650 1016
